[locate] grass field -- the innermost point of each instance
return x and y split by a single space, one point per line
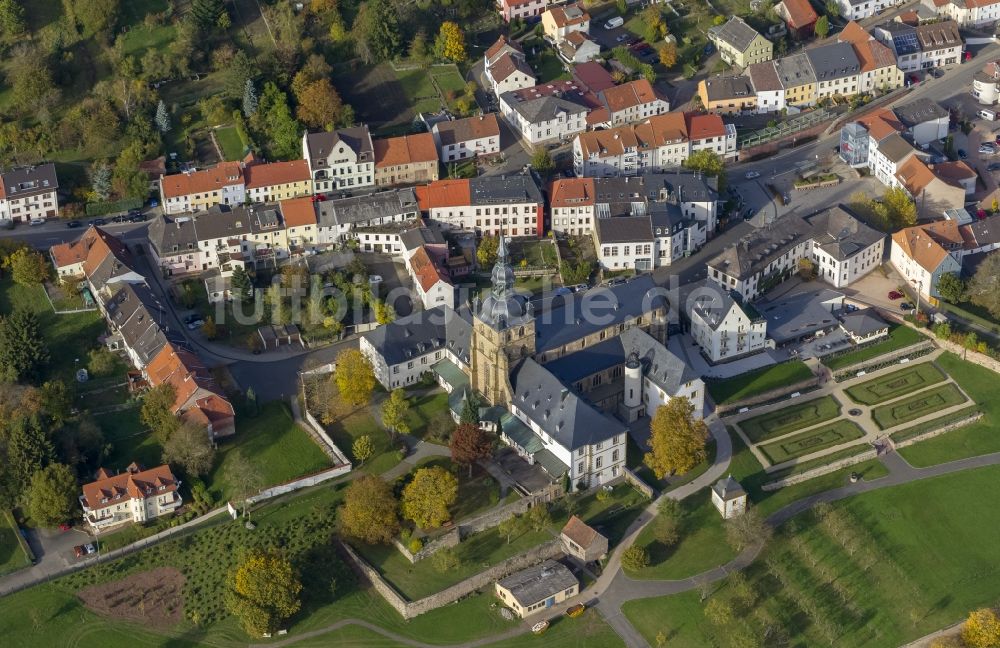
899 337
979 438
611 517
384 98
535 253
790 418
12 556
805 466
896 384
805 443
230 143
757 382
907 560
702 545
448 78
916 406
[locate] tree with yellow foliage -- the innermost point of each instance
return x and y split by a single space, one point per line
668 55
354 377
263 591
450 43
678 439
981 629
426 499
369 511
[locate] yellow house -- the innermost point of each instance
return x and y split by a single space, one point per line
797 77
301 229
537 588
277 180
560 21
727 94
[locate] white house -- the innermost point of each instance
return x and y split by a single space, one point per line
578 47
29 193
559 21
966 14
986 83
340 160
193 190
631 102
921 254
544 118
767 86
432 285
462 139
729 498
843 248
486 205
924 119
723 328
135 495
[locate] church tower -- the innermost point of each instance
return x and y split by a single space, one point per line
503 332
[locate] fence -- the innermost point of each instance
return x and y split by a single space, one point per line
769 397
302 482
786 128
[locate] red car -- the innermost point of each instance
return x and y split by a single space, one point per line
895 294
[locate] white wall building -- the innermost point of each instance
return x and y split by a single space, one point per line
29 194
341 160
721 327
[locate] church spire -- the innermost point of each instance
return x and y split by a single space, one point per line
503 275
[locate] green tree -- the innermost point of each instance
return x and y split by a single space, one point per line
369 511
354 377
362 449
969 343
240 68
538 517
29 449
263 592
52 495
250 101
376 31
394 411
746 529
162 118
98 16
899 208
719 612
189 447
635 558
511 527
384 313
243 477
469 444
951 287
709 163
157 411
418 49
241 285
678 439
822 27
428 495
984 287
832 8
667 527
486 252
27 267
12 21
23 350
205 14
541 161
446 560
274 118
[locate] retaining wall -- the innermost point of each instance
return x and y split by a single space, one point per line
851 371
767 398
871 453
930 434
636 482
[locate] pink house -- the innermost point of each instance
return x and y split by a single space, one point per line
529 10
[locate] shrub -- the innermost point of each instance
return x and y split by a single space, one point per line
635 558
603 495
415 545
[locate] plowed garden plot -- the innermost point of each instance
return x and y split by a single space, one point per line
914 407
812 441
898 383
790 418
151 597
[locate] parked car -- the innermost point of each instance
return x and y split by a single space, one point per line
750 175
906 306
786 199
621 38
137 218
895 294
987 148
84 550
962 155
709 49
99 221
913 79
196 324
937 73
74 224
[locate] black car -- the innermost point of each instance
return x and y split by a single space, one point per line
994 166
121 219
137 218
99 221
906 306
962 154
74 223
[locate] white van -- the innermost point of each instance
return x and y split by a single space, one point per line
986 113
617 21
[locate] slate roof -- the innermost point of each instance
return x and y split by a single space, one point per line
140 319
28 181
920 111
535 584
489 190
543 109
470 128
423 332
795 316
357 138
728 86
373 206
833 61
756 250
624 229
735 32
862 322
172 235
794 70
728 489
838 233
420 236
712 303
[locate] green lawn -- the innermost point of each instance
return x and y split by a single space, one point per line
533 253
790 418
900 336
917 406
428 413
230 142
634 461
979 438
345 430
805 466
702 545
448 78
419 90
923 555
12 556
130 440
611 516
545 62
896 384
757 382
826 436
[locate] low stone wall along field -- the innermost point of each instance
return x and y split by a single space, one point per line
918 406
896 384
812 441
793 417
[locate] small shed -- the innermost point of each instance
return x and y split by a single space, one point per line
583 541
729 498
536 588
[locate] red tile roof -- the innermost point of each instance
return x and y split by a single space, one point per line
276 173
408 149
427 274
498 47
298 211
197 182
800 13
704 126
629 95
444 193
571 192
103 245
138 484
580 532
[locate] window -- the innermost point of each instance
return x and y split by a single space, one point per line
614 456
579 468
597 464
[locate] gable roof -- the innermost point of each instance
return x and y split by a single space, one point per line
506 65
628 95
919 111
320 145
128 484
840 234
764 77
222 175
701 127
938 35
895 148
422 332
427 274
28 181
881 123
500 45
795 70
914 175
624 229
298 212
592 76
406 149
537 583
728 86
276 173
798 13
444 193
571 192
917 243
469 128
736 33
580 532
833 61
567 15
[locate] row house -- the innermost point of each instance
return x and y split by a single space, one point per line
797 78
135 495
337 219
629 102
740 44
878 64
540 119
341 160
404 160
29 194
506 68
727 94
301 224
836 67
493 205
723 327
967 13
195 190
934 190
277 180
468 138
923 46
767 88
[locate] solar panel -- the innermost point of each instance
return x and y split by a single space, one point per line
906 43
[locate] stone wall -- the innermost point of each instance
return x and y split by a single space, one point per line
820 470
914 350
930 434
769 397
975 357
636 482
411 609
450 538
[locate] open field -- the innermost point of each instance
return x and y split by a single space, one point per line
385 98
790 418
826 436
916 406
917 559
757 382
230 142
533 253
12 556
900 336
896 384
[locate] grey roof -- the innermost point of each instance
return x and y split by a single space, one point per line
728 86
920 111
764 77
794 70
378 207
139 317
117 264
863 322
423 332
624 229
466 129
535 584
793 317
418 236
673 187
568 318
756 250
503 307
263 217
986 231
736 33
559 411
29 180
542 109
666 219
172 235
488 190
728 489
222 222
712 303
833 61
838 233
895 147
357 138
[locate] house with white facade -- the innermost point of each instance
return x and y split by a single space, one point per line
837 70
560 21
924 119
486 205
729 498
843 248
722 327
986 83
578 47
967 13
528 10
195 190
919 47
878 63
631 102
340 160
337 219
432 284
861 9
463 139
767 86
135 495
505 67
921 254
541 119
29 194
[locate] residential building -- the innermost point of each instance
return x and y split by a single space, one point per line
729 498
921 254
527 10
509 72
539 119
863 325
431 282
192 191
578 47
922 46
135 495
887 157
408 159
631 102
462 139
337 219
582 541
878 64
197 398
739 44
29 193
843 248
722 327
986 83
860 9
301 224
340 160
957 173
710 133
625 242
560 21
837 70
68 258
571 206
727 94
487 205
924 119
770 94
967 13
534 589
932 193
799 16
797 78
276 180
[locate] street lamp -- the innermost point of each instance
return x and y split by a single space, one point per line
918 284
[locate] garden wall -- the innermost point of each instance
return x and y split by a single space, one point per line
769 397
975 357
871 453
930 434
636 482
303 482
409 610
884 360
